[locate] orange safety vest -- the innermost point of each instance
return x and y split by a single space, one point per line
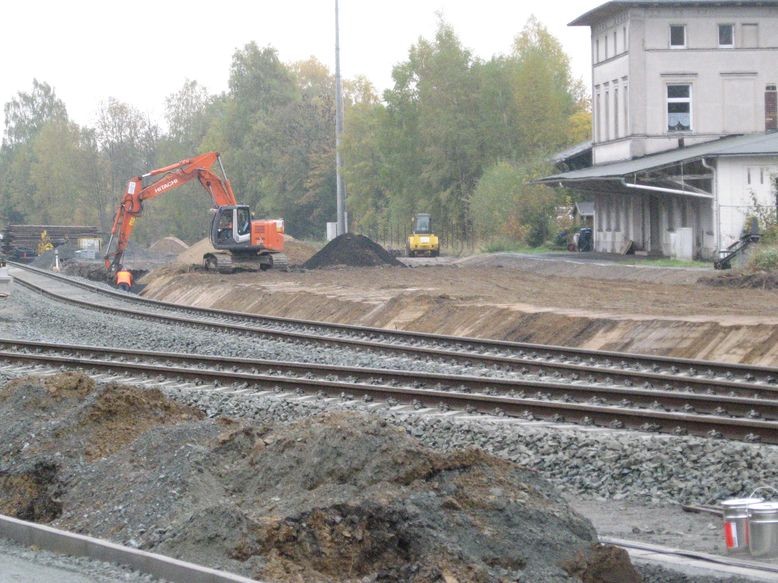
124 276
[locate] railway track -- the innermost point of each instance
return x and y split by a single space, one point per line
577 404
709 399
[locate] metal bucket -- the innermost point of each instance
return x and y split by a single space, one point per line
763 529
736 523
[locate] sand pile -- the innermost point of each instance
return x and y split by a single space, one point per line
169 246
337 497
298 252
351 250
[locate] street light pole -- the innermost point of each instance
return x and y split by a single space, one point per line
341 194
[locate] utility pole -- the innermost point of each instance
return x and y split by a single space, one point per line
341 194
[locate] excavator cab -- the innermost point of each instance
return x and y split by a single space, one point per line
422 241
231 227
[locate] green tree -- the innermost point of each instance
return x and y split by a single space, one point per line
27 113
546 94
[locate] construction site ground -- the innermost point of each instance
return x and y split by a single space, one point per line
574 300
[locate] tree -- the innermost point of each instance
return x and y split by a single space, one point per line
27 113
128 139
546 94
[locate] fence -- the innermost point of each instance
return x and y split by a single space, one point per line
455 239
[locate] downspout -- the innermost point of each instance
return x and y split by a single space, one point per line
716 208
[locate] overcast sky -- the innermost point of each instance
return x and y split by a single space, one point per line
141 51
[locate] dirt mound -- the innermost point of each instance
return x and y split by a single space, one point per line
169 246
759 280
194 255
339 497
298 252
31 493
603 564
120 414
351 250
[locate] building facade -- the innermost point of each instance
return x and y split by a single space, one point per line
681 77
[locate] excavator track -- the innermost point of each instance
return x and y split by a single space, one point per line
225 262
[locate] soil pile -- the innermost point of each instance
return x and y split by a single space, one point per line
351 250
298 252
169 246
758 280
338 497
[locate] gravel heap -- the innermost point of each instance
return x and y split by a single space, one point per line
589 461
351 250
336 497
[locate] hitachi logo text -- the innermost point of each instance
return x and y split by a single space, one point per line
163 187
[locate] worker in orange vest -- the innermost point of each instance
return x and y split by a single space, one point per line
123 279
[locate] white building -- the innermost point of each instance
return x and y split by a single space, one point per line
684 108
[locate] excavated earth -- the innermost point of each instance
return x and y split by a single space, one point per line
596 306
336 497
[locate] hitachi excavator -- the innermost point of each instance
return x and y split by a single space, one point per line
239 241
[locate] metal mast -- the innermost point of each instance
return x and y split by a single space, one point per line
341 194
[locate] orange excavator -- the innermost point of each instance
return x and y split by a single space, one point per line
239 241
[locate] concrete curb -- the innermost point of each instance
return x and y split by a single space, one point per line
68 543
695 563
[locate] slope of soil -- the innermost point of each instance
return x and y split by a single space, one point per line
351 250
337 497
684 320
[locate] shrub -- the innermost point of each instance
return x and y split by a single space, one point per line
764 258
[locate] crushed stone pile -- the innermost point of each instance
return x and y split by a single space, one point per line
66 252
169 246
353 251
337 497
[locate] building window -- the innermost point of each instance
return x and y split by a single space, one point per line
615 111
750 33
615 46
606 115
597 51
679 108
625 98
770 108
605 39
597 116
726 36
677 36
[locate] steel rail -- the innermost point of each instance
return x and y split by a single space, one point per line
188 369
719 374
760 407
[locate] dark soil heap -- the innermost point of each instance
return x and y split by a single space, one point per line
737 279
353 251
338 497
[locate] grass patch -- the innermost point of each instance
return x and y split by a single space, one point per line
516 247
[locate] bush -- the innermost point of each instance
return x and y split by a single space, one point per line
764 258
507 205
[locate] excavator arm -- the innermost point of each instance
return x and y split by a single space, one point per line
164 180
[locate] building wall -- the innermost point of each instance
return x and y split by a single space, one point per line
727 84
745 187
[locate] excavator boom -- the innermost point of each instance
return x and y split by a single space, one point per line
168 178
